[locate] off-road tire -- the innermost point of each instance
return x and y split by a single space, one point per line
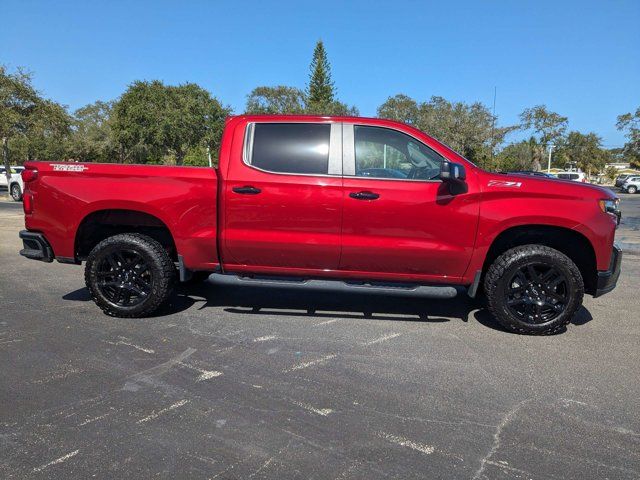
160 265
16 192
501 271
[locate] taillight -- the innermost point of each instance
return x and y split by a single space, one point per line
29 175
27 202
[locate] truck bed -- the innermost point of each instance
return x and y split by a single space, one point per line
66 196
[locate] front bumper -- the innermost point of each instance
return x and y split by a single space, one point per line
36 246
608 279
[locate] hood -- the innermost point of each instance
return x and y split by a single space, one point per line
542 185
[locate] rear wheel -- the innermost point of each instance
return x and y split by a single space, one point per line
129 275
534 289
16 192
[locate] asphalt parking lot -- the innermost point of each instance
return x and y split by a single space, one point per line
273 383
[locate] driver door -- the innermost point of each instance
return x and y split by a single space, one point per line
400 222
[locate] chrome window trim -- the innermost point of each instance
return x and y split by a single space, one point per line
334 168
334 165
349 157
247 151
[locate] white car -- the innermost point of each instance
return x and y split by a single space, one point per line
631 184
15 185
573 176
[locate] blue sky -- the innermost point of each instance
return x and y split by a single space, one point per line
580 58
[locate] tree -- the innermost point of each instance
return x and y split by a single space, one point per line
467 128
548 128
585 150
630 124
92 138
47 134
319 97
611 173
320 91
29 124
400 108
516 156
152 121
276 100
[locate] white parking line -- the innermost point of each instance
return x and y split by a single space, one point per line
382 339
155 415
318 411
56 461
405 442
265 338
300 366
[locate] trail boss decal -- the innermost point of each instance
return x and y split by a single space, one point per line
68 167
504 183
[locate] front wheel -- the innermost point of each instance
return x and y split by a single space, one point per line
129 275
632 189
534 289
16 192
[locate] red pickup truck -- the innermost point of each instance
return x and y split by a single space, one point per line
364 202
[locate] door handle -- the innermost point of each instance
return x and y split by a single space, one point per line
247 190
364 195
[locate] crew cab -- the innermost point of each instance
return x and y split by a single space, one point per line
358 201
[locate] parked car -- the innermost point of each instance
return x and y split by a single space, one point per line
573 176
286 201
621 178
631 185
531 172
15 185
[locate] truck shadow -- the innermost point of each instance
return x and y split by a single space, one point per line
281 300
284 301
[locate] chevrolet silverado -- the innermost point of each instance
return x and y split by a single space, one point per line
359 201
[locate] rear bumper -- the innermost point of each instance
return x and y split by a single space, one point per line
608 279
36 246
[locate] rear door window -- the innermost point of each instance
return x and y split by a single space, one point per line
297 148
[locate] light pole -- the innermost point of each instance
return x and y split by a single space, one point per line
549 164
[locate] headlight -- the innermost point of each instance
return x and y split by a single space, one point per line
611 206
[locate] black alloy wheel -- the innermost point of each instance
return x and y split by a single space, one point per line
129 275
537 293
534 289
124 278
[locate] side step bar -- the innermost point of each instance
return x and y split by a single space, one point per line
409 290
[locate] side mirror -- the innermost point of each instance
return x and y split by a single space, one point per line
454 174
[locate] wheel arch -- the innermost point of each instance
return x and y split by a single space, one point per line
573 244
100 224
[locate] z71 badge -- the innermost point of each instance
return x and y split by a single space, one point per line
68 167
504 183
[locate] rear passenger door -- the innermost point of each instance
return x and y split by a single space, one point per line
283 199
